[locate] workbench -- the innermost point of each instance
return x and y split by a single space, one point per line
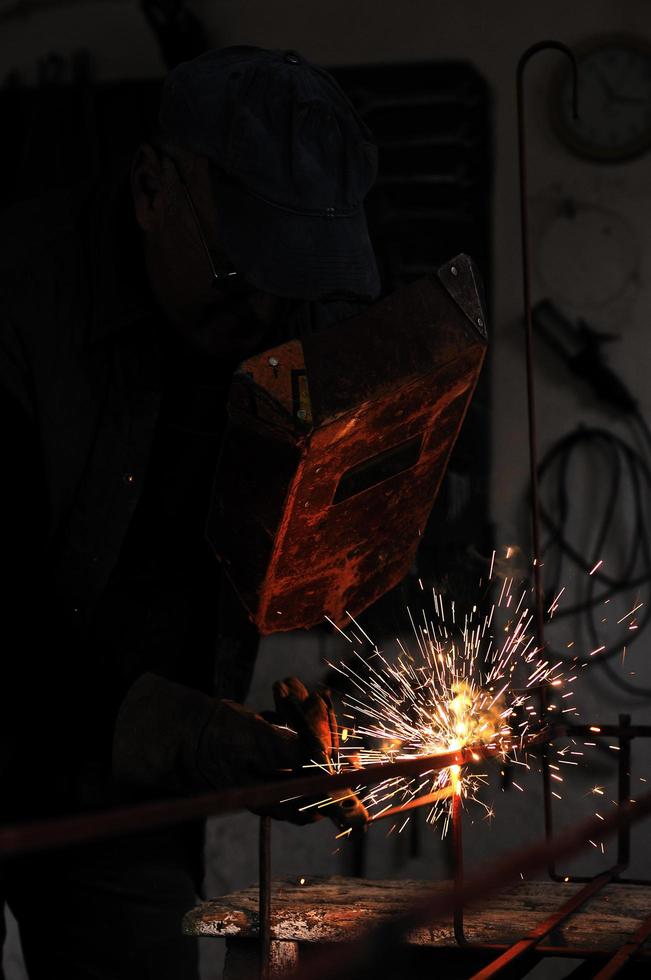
323 911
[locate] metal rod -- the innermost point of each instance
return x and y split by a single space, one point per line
419 801
570 952
625 732
457 845
624 789
116 822
603 731
264 908
548 808
526 282
531 388
531 940
358 843
625 952
586 879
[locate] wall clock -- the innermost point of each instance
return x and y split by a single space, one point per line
614 100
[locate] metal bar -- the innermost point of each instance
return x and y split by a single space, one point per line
548 810
625 953
457 845
624 790
264 907
543 928
90 826
357 844
633 881
415 804
415 838
569 952
586 879
531 389
602 731
625 732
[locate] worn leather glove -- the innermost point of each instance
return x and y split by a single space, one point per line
311 715
171 738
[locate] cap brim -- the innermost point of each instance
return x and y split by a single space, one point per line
294 255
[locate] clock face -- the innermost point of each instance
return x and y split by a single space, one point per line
614 101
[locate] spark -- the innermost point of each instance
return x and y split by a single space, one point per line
464 681
630 612
332 623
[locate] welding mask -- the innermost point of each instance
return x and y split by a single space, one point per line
335 447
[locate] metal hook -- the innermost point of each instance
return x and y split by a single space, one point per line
526 279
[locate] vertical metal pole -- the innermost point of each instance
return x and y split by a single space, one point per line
264 854
546 779
414 836
457 846
358 853
531 391
624 789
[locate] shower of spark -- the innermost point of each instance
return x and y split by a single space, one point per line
462 680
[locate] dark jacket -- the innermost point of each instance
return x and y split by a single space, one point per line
80 394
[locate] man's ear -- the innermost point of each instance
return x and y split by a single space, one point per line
148 187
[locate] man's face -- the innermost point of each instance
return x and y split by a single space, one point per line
219 318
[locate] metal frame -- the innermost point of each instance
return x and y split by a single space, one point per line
625 732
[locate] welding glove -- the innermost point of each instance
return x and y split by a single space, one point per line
173 739
311 715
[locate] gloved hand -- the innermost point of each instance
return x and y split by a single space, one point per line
172 738
312 717
239 746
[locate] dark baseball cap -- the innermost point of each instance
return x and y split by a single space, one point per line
292 162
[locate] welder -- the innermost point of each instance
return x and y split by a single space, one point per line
124 312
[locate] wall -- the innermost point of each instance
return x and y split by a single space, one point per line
611 286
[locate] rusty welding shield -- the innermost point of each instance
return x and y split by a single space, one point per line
335 447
